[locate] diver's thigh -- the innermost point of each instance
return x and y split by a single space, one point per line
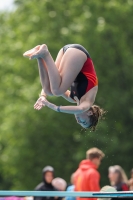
58 58
70 66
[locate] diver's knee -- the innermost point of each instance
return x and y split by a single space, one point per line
57 92
48 93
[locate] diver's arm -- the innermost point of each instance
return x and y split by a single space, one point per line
84 106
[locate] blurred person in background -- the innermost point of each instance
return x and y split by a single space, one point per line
87 178
46 184
71 188
118 178
59 183
130 182
107 188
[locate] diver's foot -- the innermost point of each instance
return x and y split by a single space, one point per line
41 53
30 52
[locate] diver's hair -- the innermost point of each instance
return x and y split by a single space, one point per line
94 118
132 171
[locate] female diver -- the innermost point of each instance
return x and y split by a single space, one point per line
73 69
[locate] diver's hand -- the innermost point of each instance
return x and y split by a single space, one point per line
40 103
77 100
50 105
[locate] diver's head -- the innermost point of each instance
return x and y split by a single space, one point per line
90 118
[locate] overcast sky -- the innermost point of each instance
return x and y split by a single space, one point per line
6 5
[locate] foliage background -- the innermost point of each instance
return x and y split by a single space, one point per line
29 140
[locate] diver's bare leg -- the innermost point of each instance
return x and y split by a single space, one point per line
44 77
70 66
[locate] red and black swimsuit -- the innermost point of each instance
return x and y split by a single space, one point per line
87 78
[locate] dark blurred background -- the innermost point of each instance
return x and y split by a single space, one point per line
29 139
